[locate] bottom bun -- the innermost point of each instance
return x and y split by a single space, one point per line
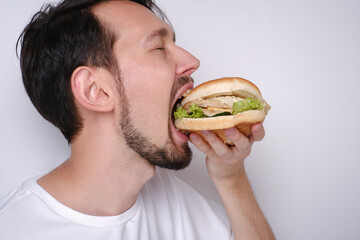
243 121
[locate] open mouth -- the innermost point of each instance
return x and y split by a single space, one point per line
183 91
176 105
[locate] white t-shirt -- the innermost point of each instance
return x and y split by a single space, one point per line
166 209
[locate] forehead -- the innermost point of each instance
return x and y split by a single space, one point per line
126 18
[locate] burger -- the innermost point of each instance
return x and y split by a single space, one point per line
220 104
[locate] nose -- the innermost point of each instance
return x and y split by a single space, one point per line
186 63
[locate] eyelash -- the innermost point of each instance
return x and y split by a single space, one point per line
161 48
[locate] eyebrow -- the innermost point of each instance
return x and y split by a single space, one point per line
163 32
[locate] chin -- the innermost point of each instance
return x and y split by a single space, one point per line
175 158
174 154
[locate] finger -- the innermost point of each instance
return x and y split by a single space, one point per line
217 144
202 145
257 132
240 141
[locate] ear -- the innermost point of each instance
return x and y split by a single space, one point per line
89 89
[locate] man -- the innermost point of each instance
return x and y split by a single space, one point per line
107 74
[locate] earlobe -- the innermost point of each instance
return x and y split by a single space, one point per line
90 91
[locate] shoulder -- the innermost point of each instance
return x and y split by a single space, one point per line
13 198
21 200
14 211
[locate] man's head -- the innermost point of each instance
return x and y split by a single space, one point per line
57 41
69 49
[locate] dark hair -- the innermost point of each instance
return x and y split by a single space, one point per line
57 40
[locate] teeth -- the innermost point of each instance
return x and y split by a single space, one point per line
178 102
186 93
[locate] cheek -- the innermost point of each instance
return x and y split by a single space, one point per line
148 87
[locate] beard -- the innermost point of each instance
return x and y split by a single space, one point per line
166 156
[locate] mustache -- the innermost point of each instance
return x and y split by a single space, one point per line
180 81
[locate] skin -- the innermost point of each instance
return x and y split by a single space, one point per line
103 175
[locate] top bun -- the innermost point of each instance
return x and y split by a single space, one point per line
224 86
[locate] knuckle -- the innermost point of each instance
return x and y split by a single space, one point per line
236 136
244 146
200 143
224 153
242 141
202 146
205 148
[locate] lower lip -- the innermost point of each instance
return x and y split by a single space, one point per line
177 135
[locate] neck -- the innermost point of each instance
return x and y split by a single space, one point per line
102 177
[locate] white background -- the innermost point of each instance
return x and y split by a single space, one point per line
305 58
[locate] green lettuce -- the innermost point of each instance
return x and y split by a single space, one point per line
246 105
180 113
194 112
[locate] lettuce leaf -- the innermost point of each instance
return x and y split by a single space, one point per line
180 113
246 105
194 112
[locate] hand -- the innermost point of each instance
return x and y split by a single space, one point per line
226 168
224 162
